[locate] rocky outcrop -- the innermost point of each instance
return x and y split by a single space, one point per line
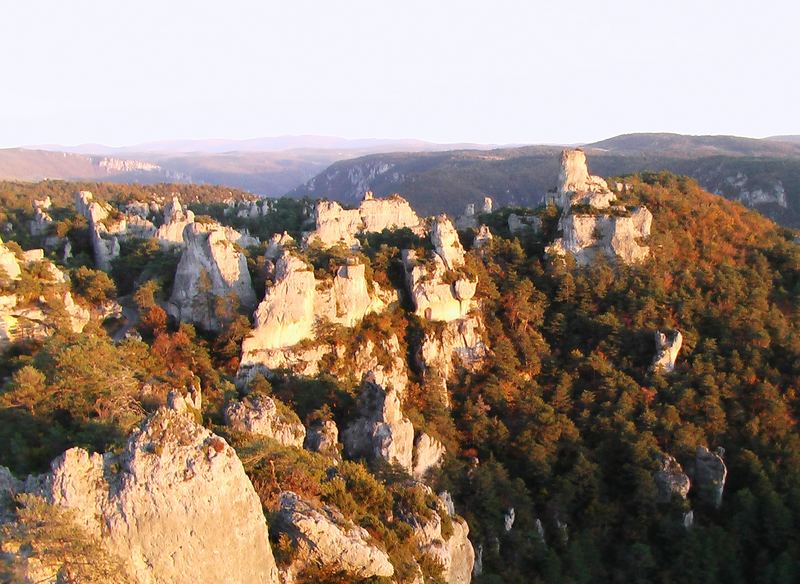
322 536
577 187
521 223
277 244
428 455
9 264
482 237
589 224
38 319
454 553
157 505
381 430
438 291
323 437
710 474
667 347
211 269
176 218
335 225
107 227
461 339
671 480
259 414
297 300
41 222
467 220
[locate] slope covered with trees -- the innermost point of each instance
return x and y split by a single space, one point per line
565 423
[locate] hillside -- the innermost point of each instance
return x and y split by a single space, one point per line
522 176
387 399
683 146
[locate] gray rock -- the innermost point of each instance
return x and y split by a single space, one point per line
710 474
259 414
671 480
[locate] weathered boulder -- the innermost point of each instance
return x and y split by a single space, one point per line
322 536
459 338
390 213
428 455
157 504
259 414
671 480
667 347
211 269
710 474
323 437
381 430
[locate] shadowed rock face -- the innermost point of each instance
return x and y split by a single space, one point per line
710 474
381 430
175 506
671 480
326 538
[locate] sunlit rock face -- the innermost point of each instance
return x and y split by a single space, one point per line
577 187
156 506
259 414
176 218
211 270
335 225
322 536
589 224
667 347
296 301
437 291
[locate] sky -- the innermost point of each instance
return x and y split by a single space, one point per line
490 71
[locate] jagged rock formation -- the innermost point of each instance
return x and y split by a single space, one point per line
323 438
107 227
598 228
322 536
381 430
428 455
671 480
468 219
436 291
41 222
259 414
382 360
667 348
157 507
487 204
335 225
460 338
277 244
577 187
210 268
175 221
455 554
296 301
710 474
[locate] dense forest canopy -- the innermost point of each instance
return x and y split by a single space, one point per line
567 423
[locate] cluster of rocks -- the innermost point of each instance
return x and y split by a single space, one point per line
589 223
335 225
469 219
37 319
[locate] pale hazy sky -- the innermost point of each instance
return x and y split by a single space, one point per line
496 71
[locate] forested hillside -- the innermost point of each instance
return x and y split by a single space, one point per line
558 436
